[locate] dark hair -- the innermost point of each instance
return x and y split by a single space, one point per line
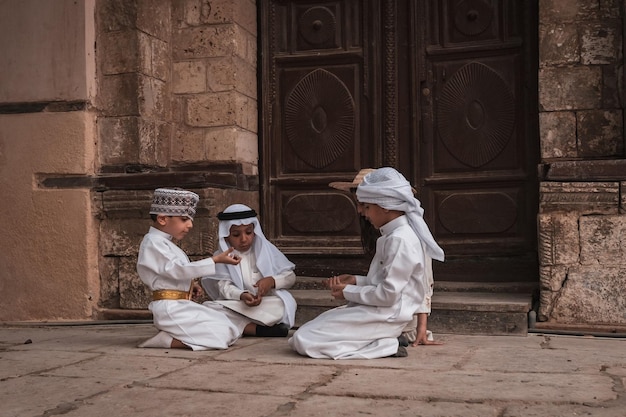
369 235
153 217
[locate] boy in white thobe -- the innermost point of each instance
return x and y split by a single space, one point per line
382 303
168 272
256 288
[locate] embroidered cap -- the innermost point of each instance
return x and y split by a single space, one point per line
174 202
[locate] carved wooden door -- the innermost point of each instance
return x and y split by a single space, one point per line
441 90
318 126
478 149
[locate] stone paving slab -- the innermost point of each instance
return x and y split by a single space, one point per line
97 370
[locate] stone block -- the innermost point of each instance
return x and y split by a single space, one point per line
154 139
247 113
191 77
612 94
118 52
601 43
109 282
153 98
546 304
127 204
118 95
600 133
122 237
208 12
116 15
134 294
558 44
203 42
245 45
118 140
215 109
580 197
602 291
622 193
154 18
602 240
232 144
154 57
552 277
160 64
568 10
558 135
189 145
232 73
558 239
570 88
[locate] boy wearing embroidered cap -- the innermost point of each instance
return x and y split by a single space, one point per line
256 287
396 286
168 272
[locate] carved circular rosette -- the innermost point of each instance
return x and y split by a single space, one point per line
317 25
319 118
475 114
472 17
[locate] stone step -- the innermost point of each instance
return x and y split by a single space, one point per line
455 312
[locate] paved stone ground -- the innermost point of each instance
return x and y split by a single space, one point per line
96 370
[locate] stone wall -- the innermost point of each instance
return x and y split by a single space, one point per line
48 249
178 107
582 215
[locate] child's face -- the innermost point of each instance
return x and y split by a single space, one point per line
177 226
375 214
241 237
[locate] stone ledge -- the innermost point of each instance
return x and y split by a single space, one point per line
589 170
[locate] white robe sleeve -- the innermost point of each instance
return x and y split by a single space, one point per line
161 261
285 279
229 291
396 266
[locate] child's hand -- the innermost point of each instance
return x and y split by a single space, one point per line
337 285
250 299
197 292
264 285
227 257
421 337
346 279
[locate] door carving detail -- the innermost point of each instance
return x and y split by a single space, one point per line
319 118
476 114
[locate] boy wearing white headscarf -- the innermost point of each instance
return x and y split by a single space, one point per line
397 285
256 287
165 268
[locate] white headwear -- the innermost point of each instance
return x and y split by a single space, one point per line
388 189
269 260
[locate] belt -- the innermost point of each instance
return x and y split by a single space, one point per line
170 295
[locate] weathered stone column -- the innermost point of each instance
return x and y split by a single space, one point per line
582 219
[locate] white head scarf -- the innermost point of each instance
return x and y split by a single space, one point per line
269 260
388 189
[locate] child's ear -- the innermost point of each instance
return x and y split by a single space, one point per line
162 220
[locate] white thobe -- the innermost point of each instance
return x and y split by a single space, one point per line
276 306
162 265
379 305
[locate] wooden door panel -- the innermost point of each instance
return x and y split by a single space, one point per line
316 124
478 155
